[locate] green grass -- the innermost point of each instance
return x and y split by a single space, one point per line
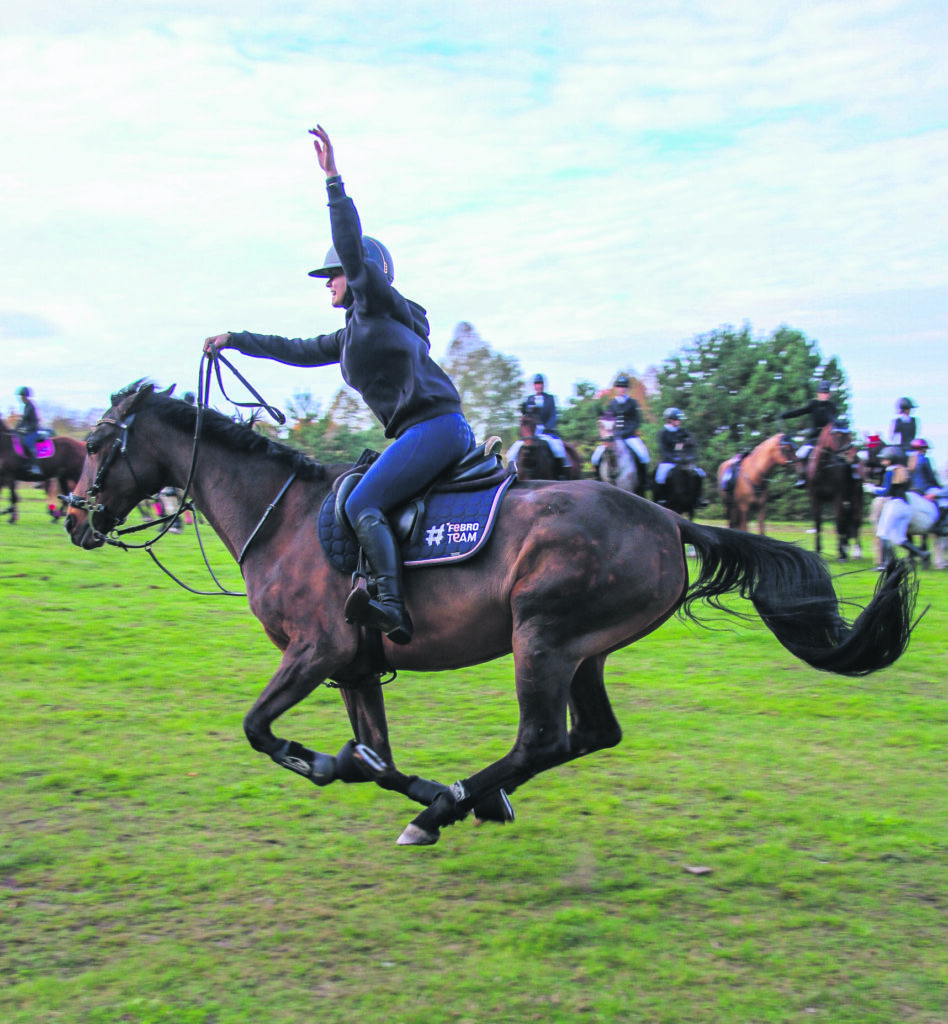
767 844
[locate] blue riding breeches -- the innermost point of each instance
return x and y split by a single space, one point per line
410 463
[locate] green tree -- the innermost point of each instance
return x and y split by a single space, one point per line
490 384
732 388
341 435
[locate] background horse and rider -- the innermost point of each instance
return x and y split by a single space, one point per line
744 482
614 462
834 477
533 459
59 463
570 573
681 491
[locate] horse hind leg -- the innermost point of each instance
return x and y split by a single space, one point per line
543 742
593 724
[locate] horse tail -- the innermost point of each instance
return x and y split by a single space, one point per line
793 593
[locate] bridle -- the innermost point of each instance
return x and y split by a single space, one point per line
119 449
92 507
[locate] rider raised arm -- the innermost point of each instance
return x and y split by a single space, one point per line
383 352
821 410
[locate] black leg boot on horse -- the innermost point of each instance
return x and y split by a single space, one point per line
916 552
801 468
386 612
700 500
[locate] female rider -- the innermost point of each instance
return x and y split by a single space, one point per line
383 353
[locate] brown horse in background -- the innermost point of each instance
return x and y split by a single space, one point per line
535 461
834 477
571 572
747 495
58 472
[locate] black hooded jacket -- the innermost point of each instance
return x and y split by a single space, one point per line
383 351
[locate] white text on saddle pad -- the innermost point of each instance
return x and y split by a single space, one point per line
456 533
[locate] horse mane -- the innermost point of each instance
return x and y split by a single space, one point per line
237 435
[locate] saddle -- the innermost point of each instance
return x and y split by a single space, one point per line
45 448
448 522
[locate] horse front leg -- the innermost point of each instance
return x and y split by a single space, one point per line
13 512
366 758
816 511
369 754
296 678
843 515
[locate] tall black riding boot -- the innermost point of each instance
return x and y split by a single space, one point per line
916 552
387 611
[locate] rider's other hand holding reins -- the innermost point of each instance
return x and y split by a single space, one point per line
215 344
324 153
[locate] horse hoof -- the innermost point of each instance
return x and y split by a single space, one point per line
415 836
495 807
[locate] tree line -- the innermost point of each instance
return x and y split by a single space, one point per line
731 385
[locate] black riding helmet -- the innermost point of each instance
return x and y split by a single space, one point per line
372 250
893 454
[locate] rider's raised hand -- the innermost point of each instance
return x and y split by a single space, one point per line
219 341
324 153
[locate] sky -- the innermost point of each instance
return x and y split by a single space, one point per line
590 185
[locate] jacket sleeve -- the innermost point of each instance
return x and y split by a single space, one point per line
793 413
319 351
371 290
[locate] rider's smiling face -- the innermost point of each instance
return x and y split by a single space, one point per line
338 286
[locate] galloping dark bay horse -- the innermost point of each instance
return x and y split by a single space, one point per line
834 478
59 460
571 572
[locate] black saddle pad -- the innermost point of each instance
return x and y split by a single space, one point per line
454 526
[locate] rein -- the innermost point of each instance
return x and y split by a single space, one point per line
119 448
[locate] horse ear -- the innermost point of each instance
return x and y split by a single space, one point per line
133 396
145 391
167 392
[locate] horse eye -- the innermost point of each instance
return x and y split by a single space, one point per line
93 445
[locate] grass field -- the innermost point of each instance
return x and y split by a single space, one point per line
767 844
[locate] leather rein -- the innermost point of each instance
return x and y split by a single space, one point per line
119 449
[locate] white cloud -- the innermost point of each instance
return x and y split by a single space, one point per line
589 186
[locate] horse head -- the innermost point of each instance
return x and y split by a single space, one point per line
607 428
836 437
784 450
109 487
528 427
